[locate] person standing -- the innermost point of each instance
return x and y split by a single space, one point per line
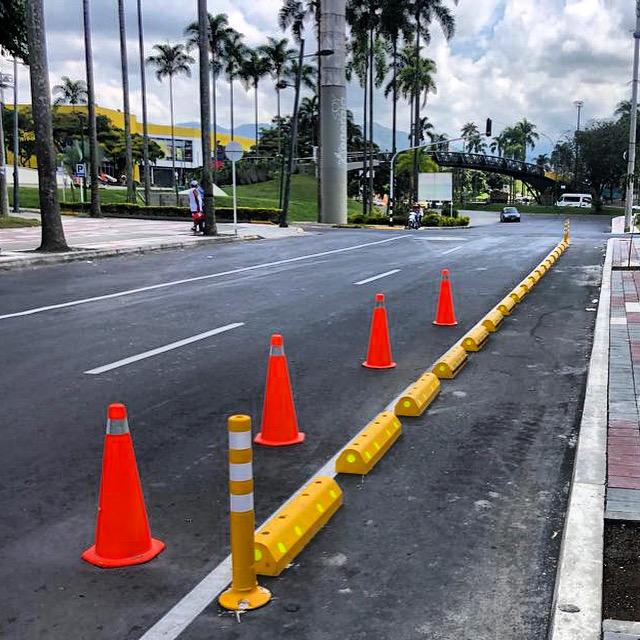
195 205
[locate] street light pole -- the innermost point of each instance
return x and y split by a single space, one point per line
5 79
631 166
294 133
578 105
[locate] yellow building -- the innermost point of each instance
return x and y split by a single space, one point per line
188 144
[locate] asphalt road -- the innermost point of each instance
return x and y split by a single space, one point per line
454 535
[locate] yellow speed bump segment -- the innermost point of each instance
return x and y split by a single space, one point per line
492 320
366 449
418 396
280 539
542 269
449 365
506 306
520 291
533 278
475 339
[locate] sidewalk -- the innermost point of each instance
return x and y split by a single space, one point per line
103 237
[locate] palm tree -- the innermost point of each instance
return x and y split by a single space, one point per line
52 231
542 160
394 24
468 131
131 194
307 75
235 52
254 68
526 131
93 131
71 92
415 74
425 12
476 144
218 29
170 61
499 143
278 53
145 125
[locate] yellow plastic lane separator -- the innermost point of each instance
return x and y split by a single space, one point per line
474 340
542 269
520 291
450 363
506 305
418 396
492 320
244 593
533 278
368 447
550 260
282 538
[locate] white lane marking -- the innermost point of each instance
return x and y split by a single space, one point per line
173 283
184 612
444 253
381 275
445 239
166 347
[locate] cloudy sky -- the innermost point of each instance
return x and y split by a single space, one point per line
509 59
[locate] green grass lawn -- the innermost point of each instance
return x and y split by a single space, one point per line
12 222
302 207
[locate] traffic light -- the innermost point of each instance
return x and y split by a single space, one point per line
488 128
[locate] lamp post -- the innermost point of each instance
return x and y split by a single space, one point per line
578 104
16 140
286 195
6 81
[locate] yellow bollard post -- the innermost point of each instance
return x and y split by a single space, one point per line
245 592
565 236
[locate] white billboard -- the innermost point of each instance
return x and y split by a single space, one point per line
435 186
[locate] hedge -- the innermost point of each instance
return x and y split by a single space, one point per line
126 210
429 220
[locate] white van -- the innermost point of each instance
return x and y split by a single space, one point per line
575 200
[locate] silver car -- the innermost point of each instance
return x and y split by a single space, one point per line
510 214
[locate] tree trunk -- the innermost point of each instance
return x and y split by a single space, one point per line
394 117
256 117
131 194
205 120
416 116
279 116
4 194
145 128
52 231
173 143
371 86
365 137
16 139
231 101
214 111
317 131
91 102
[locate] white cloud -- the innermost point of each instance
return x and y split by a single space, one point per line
509 59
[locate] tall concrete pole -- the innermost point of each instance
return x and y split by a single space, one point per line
16 139
333 113
146 172
631 168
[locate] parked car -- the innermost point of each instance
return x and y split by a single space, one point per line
510 214
582 200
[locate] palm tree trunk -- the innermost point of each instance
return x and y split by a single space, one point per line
416 115
131 194
231 98
365 136
145 128
173 143
52 231
317 131
4 192
208 207
214 113
91 102
256 118
394 117
279 124
371 85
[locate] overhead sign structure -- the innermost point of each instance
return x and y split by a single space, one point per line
234 152
81 170
435 187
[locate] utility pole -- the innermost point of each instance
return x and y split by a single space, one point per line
333 115
145 128
578 104
16 139
631 167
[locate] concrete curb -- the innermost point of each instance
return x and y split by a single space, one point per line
92 254
577 602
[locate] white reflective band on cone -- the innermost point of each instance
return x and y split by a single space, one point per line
240 472
239 439
276 351
117 427
242 503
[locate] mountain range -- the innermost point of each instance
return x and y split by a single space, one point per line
382 135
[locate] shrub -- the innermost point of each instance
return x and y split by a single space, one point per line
432 220
127 210
357 219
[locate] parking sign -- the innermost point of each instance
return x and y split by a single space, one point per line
81 171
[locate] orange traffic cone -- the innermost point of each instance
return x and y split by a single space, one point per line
445 315
123 537
379 352
279 421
